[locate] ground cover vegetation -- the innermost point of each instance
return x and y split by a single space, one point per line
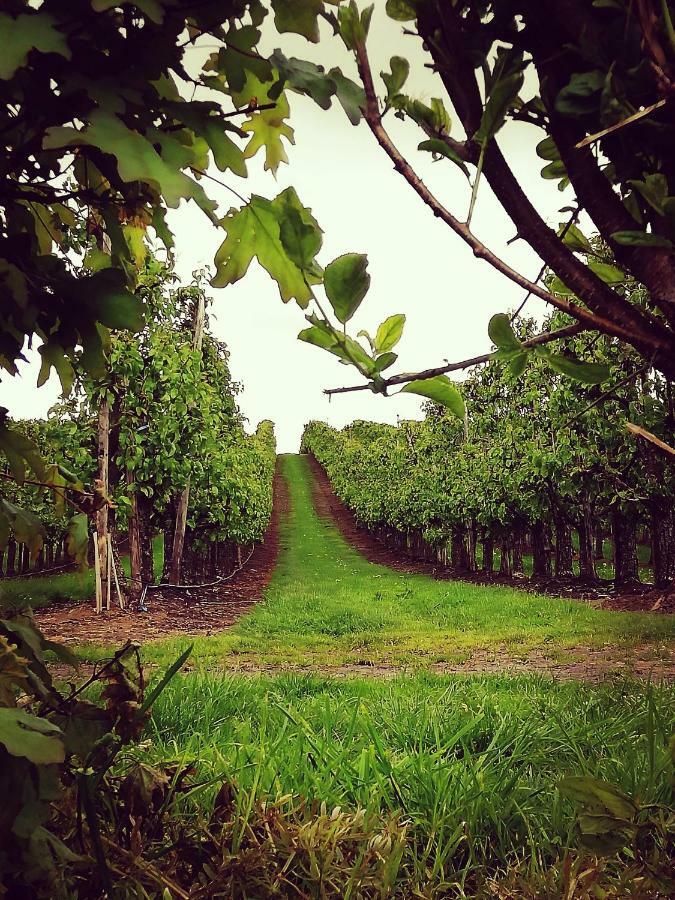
107 126
328 606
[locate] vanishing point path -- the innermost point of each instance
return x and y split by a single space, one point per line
330 610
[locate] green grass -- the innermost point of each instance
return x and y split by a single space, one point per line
470 763
42 590
327 605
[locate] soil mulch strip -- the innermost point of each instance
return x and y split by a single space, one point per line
196 611
641 598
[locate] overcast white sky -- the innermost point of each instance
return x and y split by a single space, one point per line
416 264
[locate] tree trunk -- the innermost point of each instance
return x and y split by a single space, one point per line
488 554
517 551
25 559
184 500
599 541
103 461
136 580
11 558
662 530
168 552
625 549
505 557
2 563
459 552
541 558
145 535
585 531
563 550
471 547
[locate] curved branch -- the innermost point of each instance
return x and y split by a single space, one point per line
588 318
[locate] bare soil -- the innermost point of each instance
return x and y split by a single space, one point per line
198 610
638 598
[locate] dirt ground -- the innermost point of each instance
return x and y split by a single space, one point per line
639 599
192 611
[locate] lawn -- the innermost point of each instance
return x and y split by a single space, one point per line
329 606
466 767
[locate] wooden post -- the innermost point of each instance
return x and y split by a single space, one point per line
136 583
184 499
103 458
97 577
112 562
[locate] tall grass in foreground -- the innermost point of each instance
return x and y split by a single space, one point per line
470 763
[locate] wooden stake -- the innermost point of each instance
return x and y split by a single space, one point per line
103 455
97 577
120 598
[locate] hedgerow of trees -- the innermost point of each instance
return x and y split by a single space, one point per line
540 458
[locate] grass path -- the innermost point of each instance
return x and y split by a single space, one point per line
331 610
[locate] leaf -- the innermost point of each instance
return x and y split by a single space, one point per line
151 8
607 272
20 450
641 239
318 336
353 26
137 158
598 795
389 333
518 363
267 127
384 361
401 10
441 390
20 35
306 78
547 149
394 80
351 96
502 96
255 230
298 16
30 737
440 148
502 334
654 189
346 281
77 539
111 302
581 95
26 526
301 239
575 239
585 372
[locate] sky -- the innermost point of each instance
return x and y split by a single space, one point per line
417 265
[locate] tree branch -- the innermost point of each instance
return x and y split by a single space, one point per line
588 318
406 377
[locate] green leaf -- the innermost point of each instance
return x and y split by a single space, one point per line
547 149
401 10
394 80
318 336
175 667
582 95
607 272
384 361
113 305
346 281
298 16
255 230
77 538
440 148
268 126
502 334
351 96
502 97
585 372
441 390
306 78
301 240
641 239
30 737
353 25
53 355
20 35
20 450
598 795
518 363
389 333
575 239
654 189
137 158
26 526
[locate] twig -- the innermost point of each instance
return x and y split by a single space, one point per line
546 338
640 114
652 438
185 587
